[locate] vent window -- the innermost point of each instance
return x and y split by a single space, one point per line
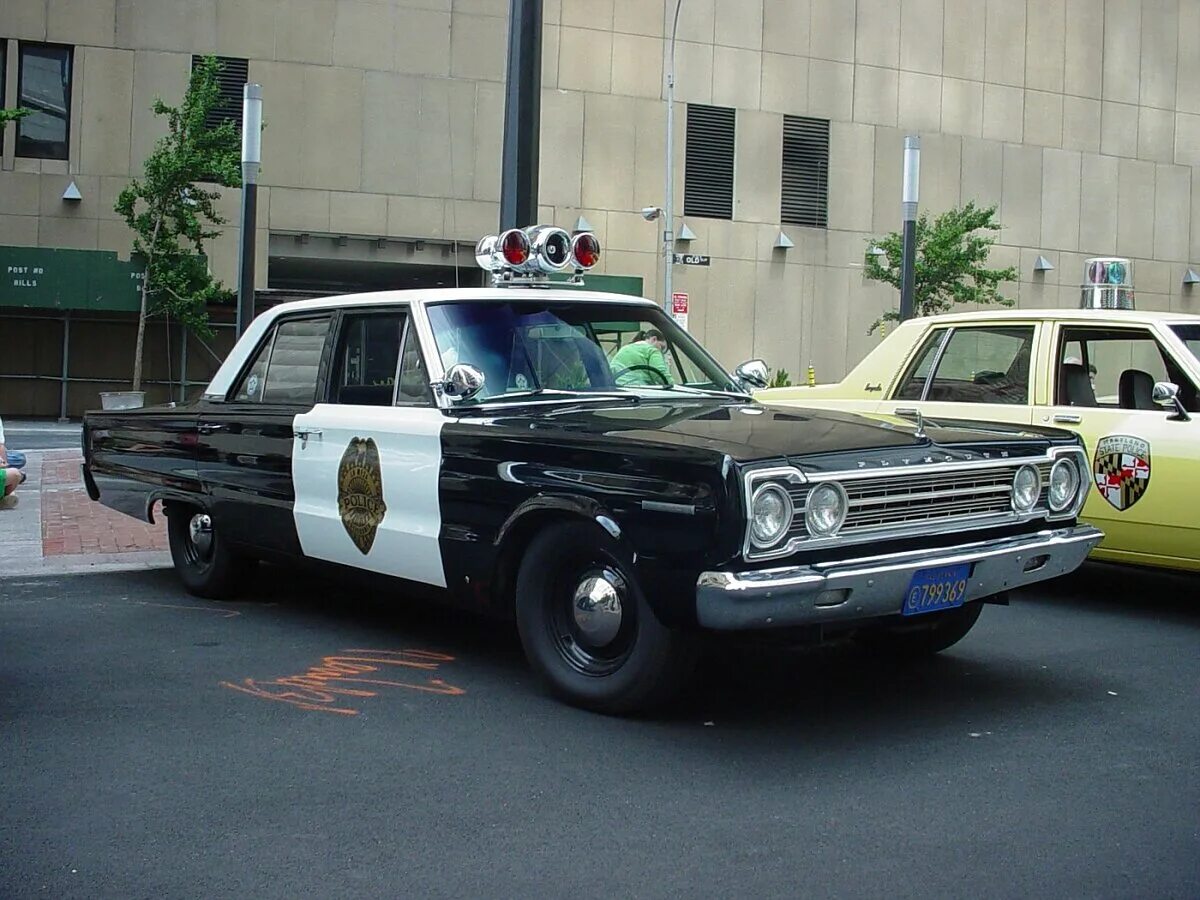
232 75
805 172
708 162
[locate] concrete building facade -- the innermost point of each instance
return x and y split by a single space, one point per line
1079 119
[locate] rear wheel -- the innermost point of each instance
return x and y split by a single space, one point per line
207 566
936 633
587 629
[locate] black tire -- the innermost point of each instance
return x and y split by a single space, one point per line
215 573
641 666
915 639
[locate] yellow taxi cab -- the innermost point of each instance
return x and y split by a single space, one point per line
1128 382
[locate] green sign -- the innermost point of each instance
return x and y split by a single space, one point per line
629 285
40 278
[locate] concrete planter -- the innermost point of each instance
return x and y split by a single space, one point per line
122 399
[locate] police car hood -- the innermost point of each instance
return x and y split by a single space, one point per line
750 431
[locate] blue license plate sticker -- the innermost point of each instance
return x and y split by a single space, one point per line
932 589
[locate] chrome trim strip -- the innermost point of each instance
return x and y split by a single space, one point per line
875 586
685 509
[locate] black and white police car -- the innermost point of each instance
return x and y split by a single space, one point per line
577 461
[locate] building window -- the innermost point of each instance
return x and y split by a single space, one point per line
232 75
805 172
44 86
708 162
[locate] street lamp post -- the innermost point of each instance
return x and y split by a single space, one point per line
669 193
908 198
251 158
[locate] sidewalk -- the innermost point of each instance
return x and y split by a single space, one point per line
51 527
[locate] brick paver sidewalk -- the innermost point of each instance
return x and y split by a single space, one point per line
51 526
73 523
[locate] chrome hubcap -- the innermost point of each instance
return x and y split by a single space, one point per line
201 534
597 607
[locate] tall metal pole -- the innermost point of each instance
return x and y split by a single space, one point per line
522 115
912 179
669 192
251 158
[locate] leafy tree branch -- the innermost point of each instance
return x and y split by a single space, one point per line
172 216
950 267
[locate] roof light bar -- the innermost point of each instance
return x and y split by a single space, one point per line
531 255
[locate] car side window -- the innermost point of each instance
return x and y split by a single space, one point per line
1113 368
365 362
912 386
294 364
250 390
984 365
414 379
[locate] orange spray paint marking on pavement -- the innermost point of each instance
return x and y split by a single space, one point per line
322 686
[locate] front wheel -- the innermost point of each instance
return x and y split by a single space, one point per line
587 629
206 564
940 631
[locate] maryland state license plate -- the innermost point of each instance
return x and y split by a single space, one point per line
934 589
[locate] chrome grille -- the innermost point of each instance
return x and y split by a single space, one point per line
900 501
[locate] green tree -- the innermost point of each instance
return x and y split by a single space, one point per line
172 217
952 253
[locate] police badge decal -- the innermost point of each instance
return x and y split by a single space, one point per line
360 492
1122 469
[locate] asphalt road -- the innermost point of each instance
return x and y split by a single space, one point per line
41 435
155 745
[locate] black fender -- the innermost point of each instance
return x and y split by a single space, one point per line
523 524
168 495
670 593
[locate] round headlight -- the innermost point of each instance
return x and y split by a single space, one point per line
1027 485
770 515
826 509
1064 484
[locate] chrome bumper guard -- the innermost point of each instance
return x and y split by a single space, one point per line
872 586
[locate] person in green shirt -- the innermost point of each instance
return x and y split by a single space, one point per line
642 362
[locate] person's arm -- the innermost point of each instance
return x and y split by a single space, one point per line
3 450
659 361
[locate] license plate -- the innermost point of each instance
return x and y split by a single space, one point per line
934 589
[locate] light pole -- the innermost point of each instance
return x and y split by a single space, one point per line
908 203
251 158
669 193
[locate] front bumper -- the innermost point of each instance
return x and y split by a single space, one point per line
873 586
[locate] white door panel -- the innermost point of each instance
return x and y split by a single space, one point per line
366 483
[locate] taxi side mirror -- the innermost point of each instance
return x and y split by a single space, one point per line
463 382
1166 395
753 374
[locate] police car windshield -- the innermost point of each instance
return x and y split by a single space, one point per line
1190 335
588 347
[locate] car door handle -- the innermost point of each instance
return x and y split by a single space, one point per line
1066 419
305 433
208 428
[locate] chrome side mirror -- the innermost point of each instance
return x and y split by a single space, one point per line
753 374
463 382
1166 395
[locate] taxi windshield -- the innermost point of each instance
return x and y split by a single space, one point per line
1190 335
528 347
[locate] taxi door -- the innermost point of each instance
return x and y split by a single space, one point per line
1144 495
366 462
980 372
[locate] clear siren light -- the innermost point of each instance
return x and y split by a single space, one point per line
529 256
1107 284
